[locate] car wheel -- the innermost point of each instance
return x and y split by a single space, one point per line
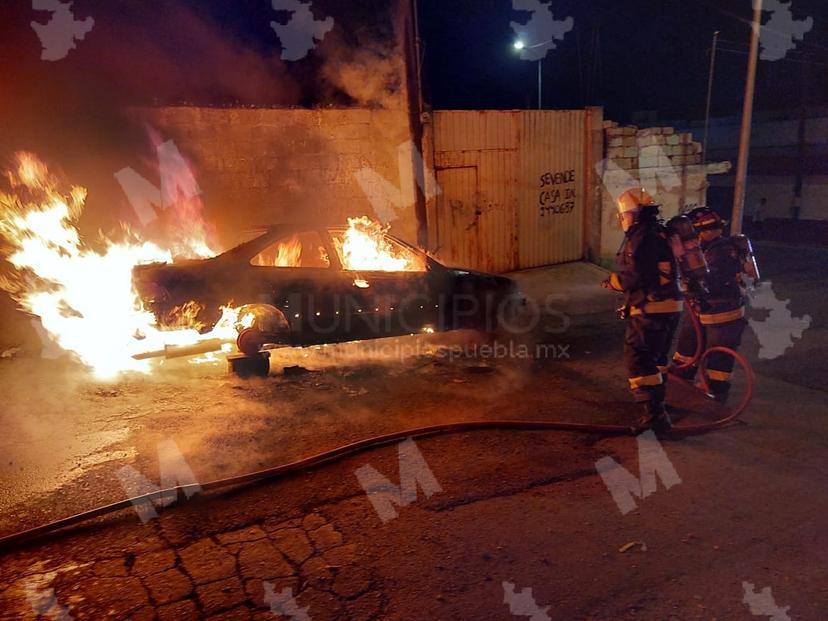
260 324
251 340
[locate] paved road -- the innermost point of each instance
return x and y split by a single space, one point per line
733 513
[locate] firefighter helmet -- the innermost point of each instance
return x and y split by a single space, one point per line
705 219
633 206
634 200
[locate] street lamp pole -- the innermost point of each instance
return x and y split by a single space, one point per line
709 95
520 46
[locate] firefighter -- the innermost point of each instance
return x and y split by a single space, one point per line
722 311
648 276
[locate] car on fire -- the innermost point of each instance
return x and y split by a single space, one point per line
299 285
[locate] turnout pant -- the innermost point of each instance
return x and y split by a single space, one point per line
647 343
719 365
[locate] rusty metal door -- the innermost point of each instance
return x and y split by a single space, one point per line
513 188
551 187
458 214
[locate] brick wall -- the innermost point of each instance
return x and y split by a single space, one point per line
259 166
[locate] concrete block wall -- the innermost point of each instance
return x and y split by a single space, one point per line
262 166
664 162
633 148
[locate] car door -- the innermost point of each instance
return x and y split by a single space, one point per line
295 274
387 284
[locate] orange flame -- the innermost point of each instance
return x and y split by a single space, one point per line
286 254
364 247
84 298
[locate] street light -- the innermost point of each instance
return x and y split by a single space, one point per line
520 45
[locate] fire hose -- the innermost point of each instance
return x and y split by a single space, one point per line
10 541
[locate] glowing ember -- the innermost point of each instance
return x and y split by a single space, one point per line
83 297
364 247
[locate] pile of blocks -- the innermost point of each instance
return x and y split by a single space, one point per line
632 148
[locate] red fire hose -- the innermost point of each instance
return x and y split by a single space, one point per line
16 539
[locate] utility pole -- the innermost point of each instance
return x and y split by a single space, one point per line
747 119
709 95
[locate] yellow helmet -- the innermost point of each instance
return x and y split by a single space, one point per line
634 200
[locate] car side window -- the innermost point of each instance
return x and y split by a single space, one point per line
297 250
358 251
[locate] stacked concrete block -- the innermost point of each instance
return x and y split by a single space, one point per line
621 145
652 147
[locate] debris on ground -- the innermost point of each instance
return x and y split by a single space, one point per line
295 371
108 392
629 546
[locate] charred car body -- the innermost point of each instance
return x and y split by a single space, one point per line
303 285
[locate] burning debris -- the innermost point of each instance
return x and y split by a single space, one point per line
84 297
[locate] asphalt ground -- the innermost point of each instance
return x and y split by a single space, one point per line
731 513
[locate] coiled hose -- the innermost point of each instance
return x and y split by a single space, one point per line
10 541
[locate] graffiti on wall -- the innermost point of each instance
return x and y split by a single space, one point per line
557 193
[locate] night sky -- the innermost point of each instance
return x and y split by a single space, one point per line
624 55
629 56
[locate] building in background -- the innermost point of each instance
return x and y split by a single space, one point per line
788 167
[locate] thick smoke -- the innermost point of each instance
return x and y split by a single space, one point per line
371 75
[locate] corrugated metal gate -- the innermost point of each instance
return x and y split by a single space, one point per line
512 188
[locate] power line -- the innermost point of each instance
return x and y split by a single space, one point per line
803 54
790 60
748 23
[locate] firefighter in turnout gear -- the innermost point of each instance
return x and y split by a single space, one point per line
648 276
722 313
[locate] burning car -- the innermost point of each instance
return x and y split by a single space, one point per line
303 285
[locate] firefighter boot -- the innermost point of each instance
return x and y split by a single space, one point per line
656 417
719 391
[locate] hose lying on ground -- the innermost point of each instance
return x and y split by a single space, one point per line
16 539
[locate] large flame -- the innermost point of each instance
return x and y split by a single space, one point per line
364 247
84 297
